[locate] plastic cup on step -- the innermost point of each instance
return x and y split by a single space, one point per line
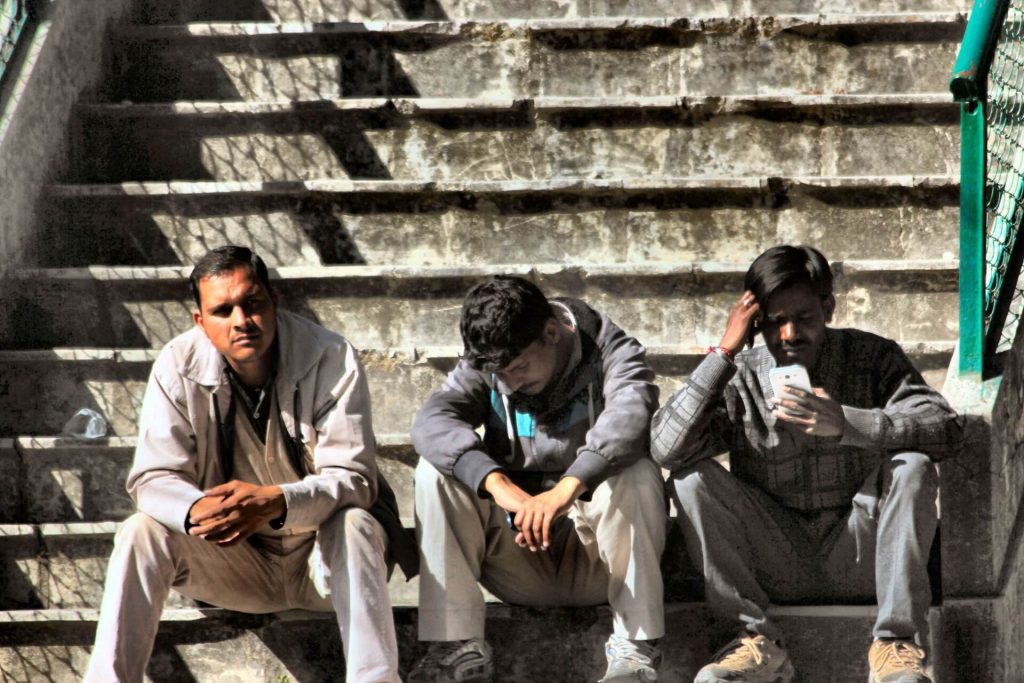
86 424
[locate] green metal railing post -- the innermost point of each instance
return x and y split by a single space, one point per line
972 237
968 77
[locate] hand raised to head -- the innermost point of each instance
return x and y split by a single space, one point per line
741 320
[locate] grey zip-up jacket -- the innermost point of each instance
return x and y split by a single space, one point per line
595 423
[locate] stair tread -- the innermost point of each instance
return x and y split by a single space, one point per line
415 105
448 353
774 23
170 189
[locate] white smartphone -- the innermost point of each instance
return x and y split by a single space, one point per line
789 376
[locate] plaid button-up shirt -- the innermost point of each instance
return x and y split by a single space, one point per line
724 408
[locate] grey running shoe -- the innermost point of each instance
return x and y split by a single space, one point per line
748 659
897 661
455 661
631 660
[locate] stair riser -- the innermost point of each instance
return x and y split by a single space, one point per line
729 146
469 230
600 63
386 312
160 11
69 573
397 387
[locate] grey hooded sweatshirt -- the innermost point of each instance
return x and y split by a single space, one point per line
592 422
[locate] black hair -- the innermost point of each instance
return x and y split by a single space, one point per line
224 260
784 266
500 318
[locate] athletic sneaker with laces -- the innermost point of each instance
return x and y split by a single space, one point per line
456 661
631 660
897 661
748 659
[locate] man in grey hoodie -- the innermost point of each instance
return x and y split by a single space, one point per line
559 502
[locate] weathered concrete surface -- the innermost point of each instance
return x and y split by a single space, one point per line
160 11
581 58
37 101
58 383
475 145
396 308
64 480
586 223
10 503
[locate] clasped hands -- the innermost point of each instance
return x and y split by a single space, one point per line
533 514
230 513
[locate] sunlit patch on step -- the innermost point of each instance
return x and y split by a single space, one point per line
70 484
276 236
260 78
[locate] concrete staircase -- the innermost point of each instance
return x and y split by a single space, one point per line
383 156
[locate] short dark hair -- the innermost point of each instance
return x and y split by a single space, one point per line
224 260
500 318
784 266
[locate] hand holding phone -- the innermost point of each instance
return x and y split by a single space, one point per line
789 376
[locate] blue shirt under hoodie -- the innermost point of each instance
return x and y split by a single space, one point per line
590 424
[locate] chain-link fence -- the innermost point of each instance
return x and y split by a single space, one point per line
1004 183
13 15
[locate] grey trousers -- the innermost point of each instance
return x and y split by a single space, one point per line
752 550
607 550
342 569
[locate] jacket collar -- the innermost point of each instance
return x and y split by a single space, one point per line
297 354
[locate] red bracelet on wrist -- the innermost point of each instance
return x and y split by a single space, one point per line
722 350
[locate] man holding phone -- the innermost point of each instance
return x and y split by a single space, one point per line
830 493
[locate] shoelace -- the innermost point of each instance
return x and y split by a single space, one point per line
901 654
438 653
747 648
639 652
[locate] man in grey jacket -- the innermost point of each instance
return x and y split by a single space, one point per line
255 478
831 493
559 502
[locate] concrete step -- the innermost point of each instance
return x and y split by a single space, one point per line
181 11
833 53
112 381
53 480
63 566
522 140
404 307
476 223
826 643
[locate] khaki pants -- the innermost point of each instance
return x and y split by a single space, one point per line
341 569
606 551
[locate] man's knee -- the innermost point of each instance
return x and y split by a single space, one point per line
429 481
142 531
693 486
352 526
914 472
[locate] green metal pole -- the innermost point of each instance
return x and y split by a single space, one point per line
972 237
968 77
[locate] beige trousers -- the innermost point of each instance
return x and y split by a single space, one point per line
608 550
341 569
